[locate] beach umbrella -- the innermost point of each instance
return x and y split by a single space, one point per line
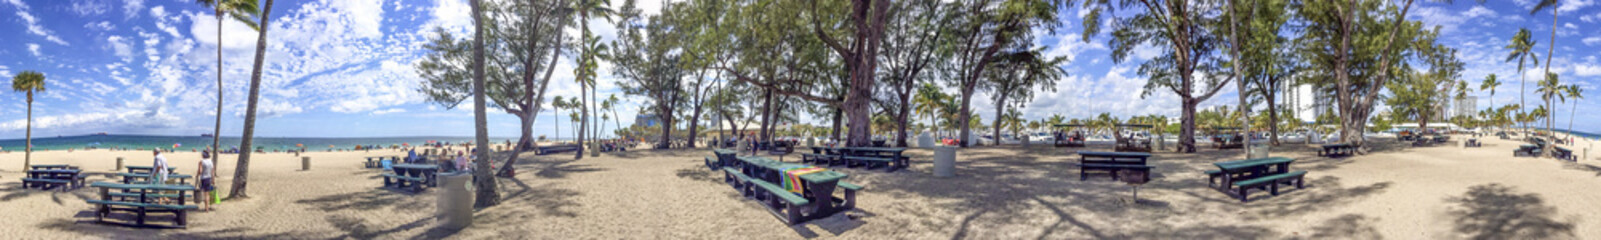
330 146
298 145
176 145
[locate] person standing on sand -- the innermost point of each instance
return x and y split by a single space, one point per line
206 184
158 174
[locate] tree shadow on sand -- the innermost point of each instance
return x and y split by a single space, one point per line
1320 194
373 199
551 168
1494 211
117 231
1349 226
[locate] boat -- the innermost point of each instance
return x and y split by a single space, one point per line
100 134
206 135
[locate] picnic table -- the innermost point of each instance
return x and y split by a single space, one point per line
65 178
1243 175
1112 162
890 157
414 176
1338 149
143 201
51 166
144 178
1530 150
815 198
721 158
1472 142
376 161
146 169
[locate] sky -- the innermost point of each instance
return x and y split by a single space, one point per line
344 68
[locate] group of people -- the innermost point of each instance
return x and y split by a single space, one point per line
205 172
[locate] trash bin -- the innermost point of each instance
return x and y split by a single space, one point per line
305 163
119 164
1258 150
925 141
945 161
455 202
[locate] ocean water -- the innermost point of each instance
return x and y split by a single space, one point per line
1580 134
197 142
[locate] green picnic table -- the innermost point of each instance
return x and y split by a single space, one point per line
819 186
145 201
146 169
51 166
135 178
1249 173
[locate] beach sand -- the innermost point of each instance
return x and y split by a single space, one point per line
1009 192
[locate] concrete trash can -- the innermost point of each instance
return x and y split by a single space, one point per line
811 142
945 161
305 163
594 149
455 209
119 164
1258 150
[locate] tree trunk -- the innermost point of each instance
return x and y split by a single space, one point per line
965 118
242 170
484 181
904 117
1187 127
1273 119
27 151
764 134
216 131
838 118
583 117
1000 110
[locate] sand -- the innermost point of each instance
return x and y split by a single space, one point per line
1008 192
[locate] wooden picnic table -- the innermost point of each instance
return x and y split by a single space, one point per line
818 187
146 169
145 196
1241 170
424 171
1112 162
136 178
53 173
52 166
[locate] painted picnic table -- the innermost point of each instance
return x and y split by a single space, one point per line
51 166
146 169
424 171
146 196
1336 149
1233 171
817 187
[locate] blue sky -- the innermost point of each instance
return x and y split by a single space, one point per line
344 67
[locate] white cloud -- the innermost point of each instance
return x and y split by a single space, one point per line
1071 45
158 12
1478 11
235 35
89 7
388 111
34 48
32 23
1569 6
131 9
1590 18
101 26
453 15
121 47
1586 70
1592 41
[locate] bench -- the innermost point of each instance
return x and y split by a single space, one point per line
1526 150
542 150
125 196
1110 168
772 196
1272 182
141 209
868 161
850 193
1212 176
45 183
416 182
818 158
1331 150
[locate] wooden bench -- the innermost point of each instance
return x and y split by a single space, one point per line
45 183
124 196
1331 150
415 186
1272 182
542 150
1111 162
868 161
850 193
818 158
771 195
142 209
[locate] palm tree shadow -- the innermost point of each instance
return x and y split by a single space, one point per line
1494 211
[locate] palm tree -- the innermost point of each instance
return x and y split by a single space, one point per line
587 65
611 104
1575 93
1550 90
1550 48
929 100
239 10
1522 47
483 181
556 104
242 168
1490 83
28 82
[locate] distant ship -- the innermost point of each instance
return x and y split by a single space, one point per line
206 135
100 134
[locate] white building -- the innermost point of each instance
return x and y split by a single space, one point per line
1305 102
1466 107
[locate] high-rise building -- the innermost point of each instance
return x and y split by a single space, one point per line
1304 102
1465 107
